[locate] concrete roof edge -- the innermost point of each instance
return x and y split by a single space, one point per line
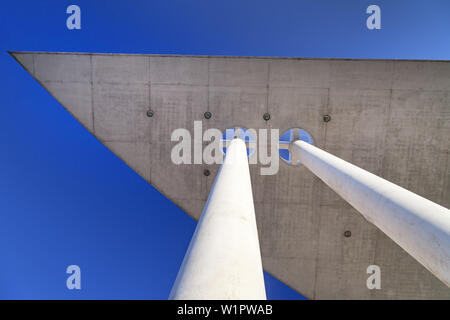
12 52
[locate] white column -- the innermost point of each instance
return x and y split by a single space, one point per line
223 260
419 226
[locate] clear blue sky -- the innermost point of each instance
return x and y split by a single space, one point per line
65 199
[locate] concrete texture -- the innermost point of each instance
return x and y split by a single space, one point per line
391 118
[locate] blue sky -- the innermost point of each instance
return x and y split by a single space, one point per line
65 199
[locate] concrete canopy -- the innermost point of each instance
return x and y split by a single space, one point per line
389 117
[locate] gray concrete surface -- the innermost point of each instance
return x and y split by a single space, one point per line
391 118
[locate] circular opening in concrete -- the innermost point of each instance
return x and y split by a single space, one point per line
289 136
242 133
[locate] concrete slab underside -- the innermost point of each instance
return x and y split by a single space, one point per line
391 118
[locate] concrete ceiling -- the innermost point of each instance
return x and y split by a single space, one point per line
391 118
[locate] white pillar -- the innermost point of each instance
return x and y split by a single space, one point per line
419 226
223 260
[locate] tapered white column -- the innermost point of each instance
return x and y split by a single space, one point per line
419 226
223 260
